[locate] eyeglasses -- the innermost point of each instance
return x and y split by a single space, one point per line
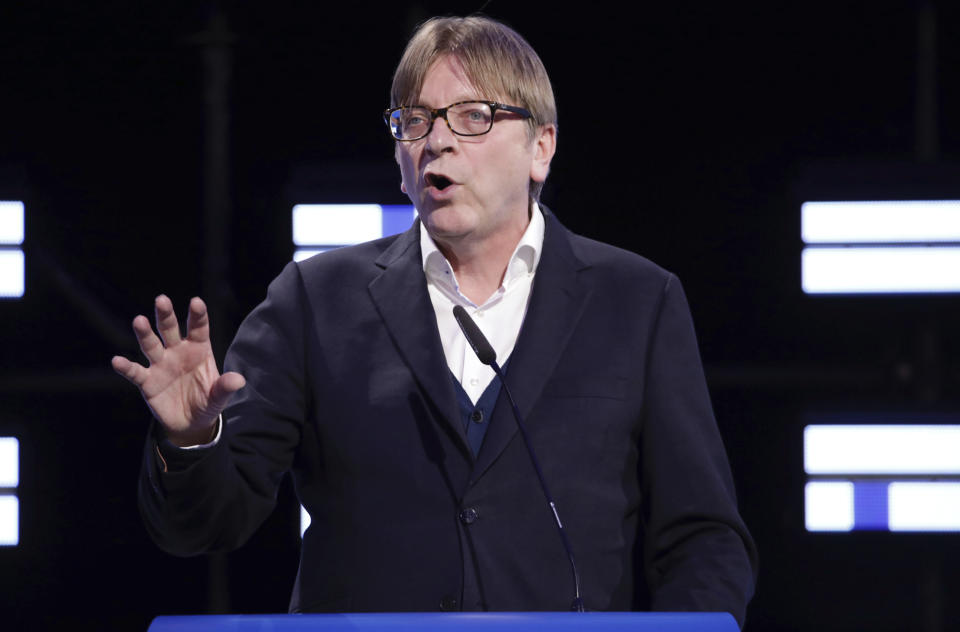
466 118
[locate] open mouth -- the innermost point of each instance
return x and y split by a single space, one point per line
438 181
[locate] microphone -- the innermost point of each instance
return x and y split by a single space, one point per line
477 340
488 356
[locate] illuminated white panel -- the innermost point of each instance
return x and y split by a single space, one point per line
880 270
11 273
9 521
872 449
9 462
304 520
336 224
880 221
305 253
11 223
828 506
924 506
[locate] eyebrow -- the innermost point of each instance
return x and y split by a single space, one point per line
458 100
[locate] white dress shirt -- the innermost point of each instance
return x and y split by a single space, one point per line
500 316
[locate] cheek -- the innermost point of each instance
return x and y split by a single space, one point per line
407 172
517 171
517 159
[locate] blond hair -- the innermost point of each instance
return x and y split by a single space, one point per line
496 59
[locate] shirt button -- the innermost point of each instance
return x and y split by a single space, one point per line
477 416
469 515
448 603
474 381
479 314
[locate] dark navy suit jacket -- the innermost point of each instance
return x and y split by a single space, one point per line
347 387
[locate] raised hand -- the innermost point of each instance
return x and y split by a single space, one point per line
182 385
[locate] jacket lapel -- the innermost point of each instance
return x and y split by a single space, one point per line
400 295
560 293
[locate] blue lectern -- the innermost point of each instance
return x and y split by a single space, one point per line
458 622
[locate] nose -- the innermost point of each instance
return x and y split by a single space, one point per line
440 138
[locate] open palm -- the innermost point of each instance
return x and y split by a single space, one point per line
182 385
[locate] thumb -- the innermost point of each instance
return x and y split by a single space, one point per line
223 389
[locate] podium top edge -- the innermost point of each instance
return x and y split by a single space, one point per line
460 621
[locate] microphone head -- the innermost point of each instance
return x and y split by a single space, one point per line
475 337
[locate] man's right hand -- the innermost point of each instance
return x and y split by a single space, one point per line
182 385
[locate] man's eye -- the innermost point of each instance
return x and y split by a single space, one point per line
475 115
414 120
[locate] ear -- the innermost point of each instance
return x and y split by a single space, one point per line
544 146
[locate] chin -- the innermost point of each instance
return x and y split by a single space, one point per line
447 232
446 222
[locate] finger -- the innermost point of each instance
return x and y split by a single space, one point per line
198 322
223 390
232 381
150 345
167 323
134 372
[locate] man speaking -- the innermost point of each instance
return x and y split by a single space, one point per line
354 375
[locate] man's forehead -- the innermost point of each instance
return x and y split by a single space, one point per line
447 79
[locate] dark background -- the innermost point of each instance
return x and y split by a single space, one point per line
688 134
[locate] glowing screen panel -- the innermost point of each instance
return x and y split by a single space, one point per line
12 273
11 256
880 222
11 223
881 247
896 477
9 480
321 227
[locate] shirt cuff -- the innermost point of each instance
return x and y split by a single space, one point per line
213 442
172 458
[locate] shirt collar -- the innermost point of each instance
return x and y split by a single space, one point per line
523 261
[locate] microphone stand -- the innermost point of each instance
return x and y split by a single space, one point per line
488 356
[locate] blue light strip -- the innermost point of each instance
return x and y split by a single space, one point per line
870 506
397 218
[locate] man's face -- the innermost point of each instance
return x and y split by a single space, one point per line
471 188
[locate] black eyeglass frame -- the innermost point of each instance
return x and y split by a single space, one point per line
442 113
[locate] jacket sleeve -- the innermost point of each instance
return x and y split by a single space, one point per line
698 554
213 499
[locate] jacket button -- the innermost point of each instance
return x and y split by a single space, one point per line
448 603
476 416
469 515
